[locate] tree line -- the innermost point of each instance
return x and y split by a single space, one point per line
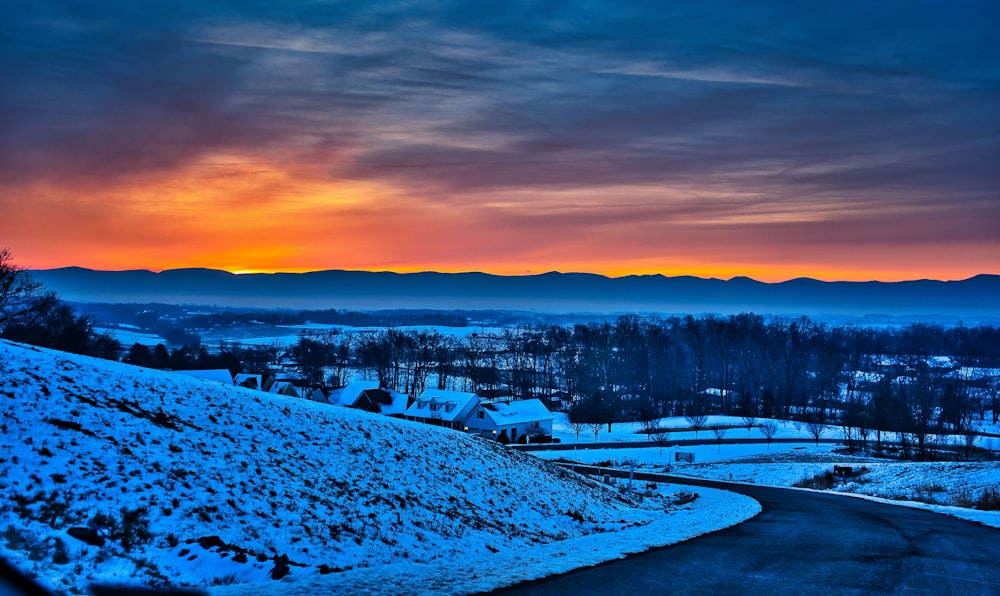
642 368
31 315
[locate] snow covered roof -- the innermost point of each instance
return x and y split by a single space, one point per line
219 375
348 396
517 412
249 380
866 377
449 406
398 405
283 388
974 373
940 362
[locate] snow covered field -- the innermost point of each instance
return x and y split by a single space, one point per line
201 484
289 335
679 429
128 337
940 486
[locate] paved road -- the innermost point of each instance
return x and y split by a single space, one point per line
804 543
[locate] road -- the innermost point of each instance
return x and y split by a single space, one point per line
677 443
804 543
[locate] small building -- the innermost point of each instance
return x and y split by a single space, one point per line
368 396
510 422
348 396
323 395
558 400
443 408
284 388
249 381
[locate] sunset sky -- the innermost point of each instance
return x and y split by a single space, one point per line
836 140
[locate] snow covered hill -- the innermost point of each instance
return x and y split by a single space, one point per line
199 484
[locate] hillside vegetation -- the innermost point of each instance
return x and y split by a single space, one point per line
198 483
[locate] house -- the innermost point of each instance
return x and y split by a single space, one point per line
368 396
219 375
558 400
511 421
443 408
384 401
322 394
284 388
349 395
249 381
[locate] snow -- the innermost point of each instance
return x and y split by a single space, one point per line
483 574
517 412
936 486
287 335
219 375
679 427
444 405
211 474
130 337
346 396
662 457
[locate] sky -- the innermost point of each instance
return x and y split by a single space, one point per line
842 141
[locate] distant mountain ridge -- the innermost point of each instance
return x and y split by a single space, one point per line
978 296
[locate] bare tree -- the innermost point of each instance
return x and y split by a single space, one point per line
661 437
769 429
749 422
697 422
969 434
578 427
595 427
18 290
815 428
649 428
720 432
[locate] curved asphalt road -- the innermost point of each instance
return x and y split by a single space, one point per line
804 543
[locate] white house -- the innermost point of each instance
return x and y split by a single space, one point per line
510 421
349 395
444 408
249 381
368 396
284 388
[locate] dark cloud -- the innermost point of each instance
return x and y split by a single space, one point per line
895 103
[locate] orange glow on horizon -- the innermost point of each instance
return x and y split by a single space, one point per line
762 274
244 214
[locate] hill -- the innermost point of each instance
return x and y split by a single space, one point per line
973 298
200 484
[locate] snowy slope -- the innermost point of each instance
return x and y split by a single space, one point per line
203 484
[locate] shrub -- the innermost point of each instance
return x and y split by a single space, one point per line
59 554
823 481
106 522
684 497
225 580
987 500
134 527
17 541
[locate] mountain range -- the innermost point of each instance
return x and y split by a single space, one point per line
976 298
